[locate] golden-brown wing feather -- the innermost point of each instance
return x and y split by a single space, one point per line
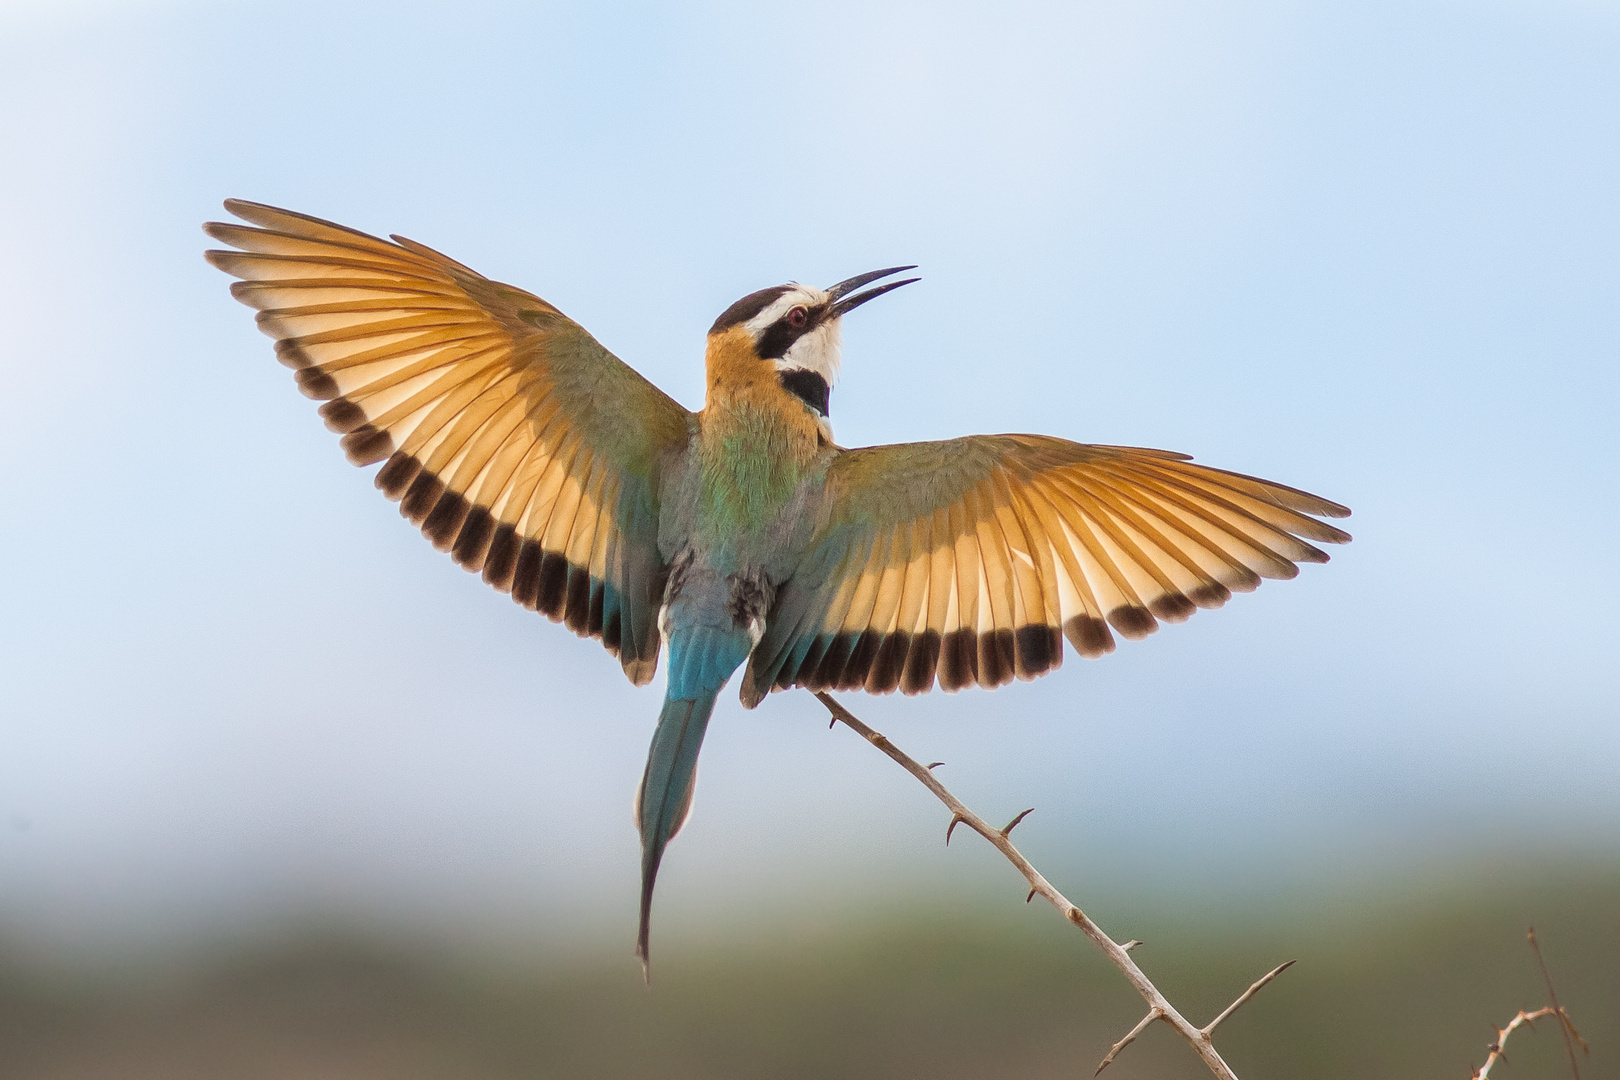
969 561
517 442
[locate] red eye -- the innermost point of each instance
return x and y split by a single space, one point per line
798 317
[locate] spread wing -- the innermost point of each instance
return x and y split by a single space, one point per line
970 560
517 442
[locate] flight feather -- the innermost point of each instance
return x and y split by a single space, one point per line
514 440
969 561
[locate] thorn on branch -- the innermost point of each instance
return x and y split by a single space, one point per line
1154 1013
956 819
1030 897
1129 945
1014 822
932 765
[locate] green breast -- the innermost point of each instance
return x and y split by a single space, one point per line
751 462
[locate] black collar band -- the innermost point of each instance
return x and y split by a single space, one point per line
808 386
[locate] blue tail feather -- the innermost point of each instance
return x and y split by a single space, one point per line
666 790
701 659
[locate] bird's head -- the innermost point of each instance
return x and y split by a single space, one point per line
794 328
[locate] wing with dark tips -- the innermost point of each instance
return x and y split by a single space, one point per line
508 434
970 561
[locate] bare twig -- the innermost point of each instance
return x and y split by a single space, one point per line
1523 1019
1495 1054
1130 1037
1254 988
1565 1028
1119 955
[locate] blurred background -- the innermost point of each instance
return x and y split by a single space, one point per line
284 793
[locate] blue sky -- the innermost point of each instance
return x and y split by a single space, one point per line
1365 249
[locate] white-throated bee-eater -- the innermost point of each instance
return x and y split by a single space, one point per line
741 534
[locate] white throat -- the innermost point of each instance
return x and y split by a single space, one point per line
819 351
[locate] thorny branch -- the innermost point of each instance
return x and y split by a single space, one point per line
1199 1038
1502 1034
1565 1027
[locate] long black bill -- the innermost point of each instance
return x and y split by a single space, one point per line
844 303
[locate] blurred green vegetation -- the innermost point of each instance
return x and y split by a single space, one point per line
1393 981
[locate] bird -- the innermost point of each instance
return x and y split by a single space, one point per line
741 536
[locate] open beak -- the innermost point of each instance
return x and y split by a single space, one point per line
843 303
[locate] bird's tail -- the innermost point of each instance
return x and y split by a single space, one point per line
665 797
701 659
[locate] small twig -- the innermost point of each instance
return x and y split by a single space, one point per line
1495 1053
1119 955
1209 1028
1565 1028
1523 1019
1130 1037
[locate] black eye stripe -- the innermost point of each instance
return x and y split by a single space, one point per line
779 337
809 387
